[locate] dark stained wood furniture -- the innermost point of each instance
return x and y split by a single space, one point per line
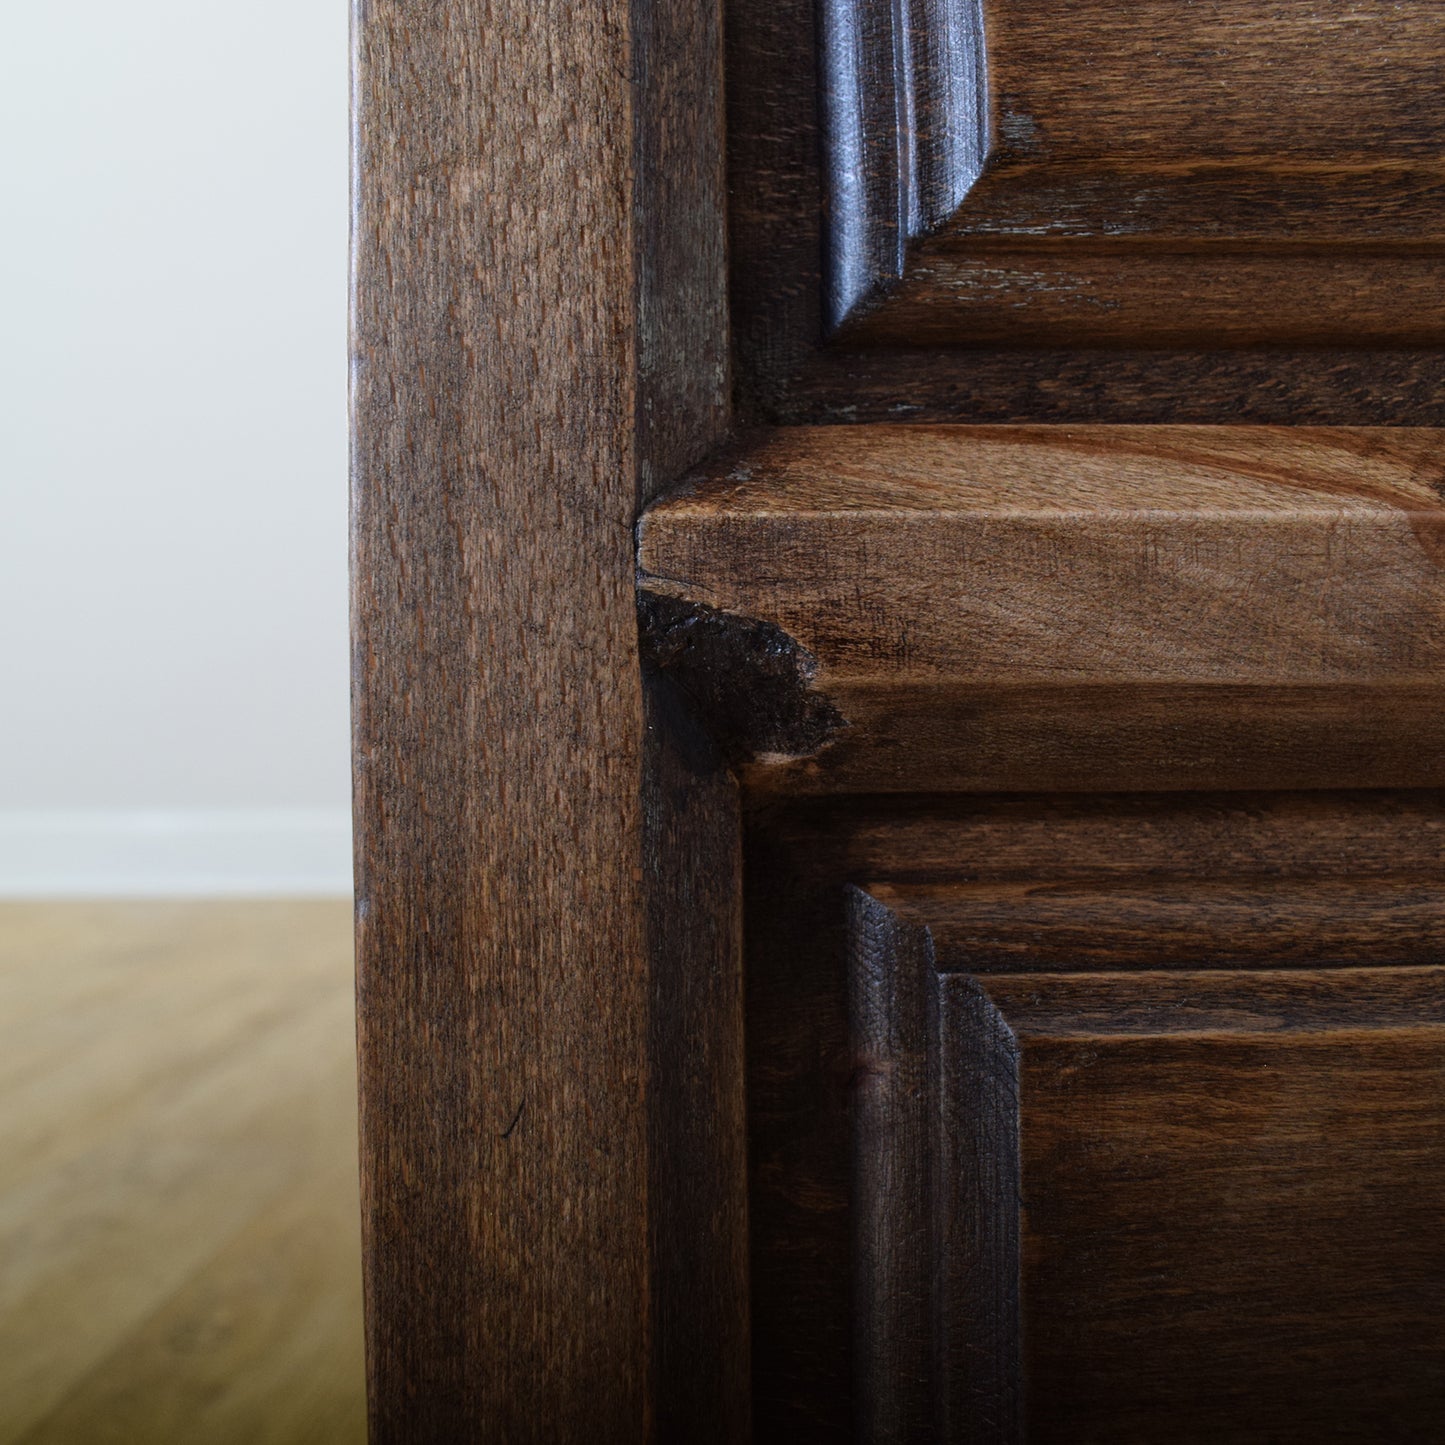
1095 1117
900 759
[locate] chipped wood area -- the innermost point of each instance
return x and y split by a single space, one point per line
1083 606
749 678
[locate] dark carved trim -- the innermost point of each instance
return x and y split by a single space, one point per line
891 984
813 346
965 1207
905 117
936 1183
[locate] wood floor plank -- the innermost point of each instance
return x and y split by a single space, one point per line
179 1239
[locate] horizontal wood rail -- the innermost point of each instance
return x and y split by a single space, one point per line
893 607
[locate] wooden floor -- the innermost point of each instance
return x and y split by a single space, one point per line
179 1253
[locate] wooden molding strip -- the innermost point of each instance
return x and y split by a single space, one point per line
1056 925
1126 186
905 114
1068 607
1023 174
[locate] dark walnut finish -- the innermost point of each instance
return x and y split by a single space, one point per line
1089 1206
1009 211
1027 1165
954 953
547 923
1063 607
1010 172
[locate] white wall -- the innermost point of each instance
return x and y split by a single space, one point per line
172 454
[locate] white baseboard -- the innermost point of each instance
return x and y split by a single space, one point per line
149 853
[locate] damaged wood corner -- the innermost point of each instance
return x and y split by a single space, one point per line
751 683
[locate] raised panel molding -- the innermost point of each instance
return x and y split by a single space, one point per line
936 1264
1001 172
1092 1206
1200 1037
998 211
904 98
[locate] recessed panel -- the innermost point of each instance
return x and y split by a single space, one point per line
1234 1234
1163 1201
1215 176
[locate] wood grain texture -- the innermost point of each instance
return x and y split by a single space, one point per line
904 101
808 1087
937 1331
1127 176
1172 1220
775 195
890 1009
691 865
1241 203
1139 173
1047 925
538 204
697 1117
1155 79
1277 386
1302 1171
1081 607
1224 297
502 986
680 239
178 1216
1054 738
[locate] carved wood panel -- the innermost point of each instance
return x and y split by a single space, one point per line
1128 733
1230 174
1178 1201
998 210
1097 1118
